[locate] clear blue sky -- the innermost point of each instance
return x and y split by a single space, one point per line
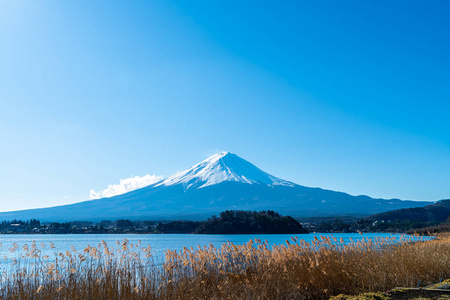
346 95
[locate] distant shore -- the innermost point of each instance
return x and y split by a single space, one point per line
228 222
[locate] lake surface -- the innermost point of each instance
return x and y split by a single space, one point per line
158 242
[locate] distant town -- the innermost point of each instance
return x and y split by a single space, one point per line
76 227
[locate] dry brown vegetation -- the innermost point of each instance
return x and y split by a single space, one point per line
297 270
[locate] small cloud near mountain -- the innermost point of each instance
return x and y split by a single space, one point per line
125 186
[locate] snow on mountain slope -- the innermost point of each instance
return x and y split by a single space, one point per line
224 166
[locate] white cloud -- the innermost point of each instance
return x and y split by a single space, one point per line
126 185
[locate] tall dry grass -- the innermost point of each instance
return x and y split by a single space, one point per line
297 270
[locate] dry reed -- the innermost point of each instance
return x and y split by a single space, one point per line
297 270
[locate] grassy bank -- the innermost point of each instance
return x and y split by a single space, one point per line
316 270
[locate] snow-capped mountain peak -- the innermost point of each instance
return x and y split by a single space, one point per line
223 166
200 192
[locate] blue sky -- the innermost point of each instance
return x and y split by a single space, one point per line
346 95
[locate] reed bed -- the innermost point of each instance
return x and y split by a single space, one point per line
256 270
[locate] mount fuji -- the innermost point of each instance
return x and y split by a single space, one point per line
222 182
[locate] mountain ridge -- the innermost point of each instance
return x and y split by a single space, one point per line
434 212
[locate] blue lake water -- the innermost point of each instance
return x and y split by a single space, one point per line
158 242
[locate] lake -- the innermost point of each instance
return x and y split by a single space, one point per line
158 242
